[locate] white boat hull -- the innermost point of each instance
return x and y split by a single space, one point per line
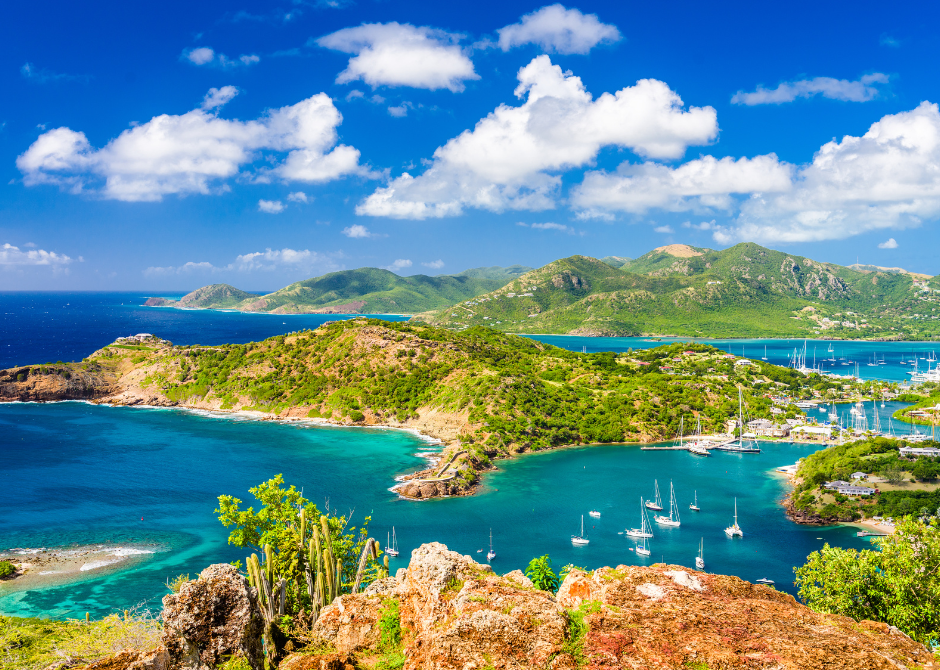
734 532
695 508
596 515
491 555
666 521
654 507
633 532
642 552
391 552
579 541
699 563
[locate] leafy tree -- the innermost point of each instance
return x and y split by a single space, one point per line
540 572
6 569
898 584
893 474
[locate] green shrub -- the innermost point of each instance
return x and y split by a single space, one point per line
540 572
356 415
6 569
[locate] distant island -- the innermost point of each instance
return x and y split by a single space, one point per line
486 395
675 290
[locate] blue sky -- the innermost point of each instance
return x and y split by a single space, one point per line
169 146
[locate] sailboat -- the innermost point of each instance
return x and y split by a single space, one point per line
765 353
734 530
694 505
832 355
644 530
698 446
490 555
579 540
391 548
740 447
657 504
700 559
643 548
673 518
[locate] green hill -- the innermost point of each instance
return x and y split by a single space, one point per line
744 291
361 291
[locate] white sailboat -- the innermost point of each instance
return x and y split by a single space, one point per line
694 505
643 548
734 530
391 547
644 530
579 540
740 446
700 559
764 358
490 555
673 518
657 504
698 446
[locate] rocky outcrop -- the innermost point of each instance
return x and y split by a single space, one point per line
159 302
155 659
41 383
212 618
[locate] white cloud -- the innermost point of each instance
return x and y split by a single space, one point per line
40 75
509 159
271 206
400 54
559 30
704 182
399 111
548 226
216 97
704 225
11 255
889 178
862 90
298 196
357 231
353 94
399 264
891 243
267 260
889 41
664 229
194 152
434 265
208 56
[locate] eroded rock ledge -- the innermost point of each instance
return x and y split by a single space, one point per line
457 614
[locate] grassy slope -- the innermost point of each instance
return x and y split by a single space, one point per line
514 393
744 291
373 290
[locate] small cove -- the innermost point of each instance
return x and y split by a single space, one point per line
80 474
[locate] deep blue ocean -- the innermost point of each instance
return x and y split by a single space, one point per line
147 479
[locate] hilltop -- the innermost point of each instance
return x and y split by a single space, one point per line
488 395
744 291
361 291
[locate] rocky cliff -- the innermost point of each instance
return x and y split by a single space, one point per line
455 614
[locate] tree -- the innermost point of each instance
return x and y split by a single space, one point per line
893 474
898 584
540 572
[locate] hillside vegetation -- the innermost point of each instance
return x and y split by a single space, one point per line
744 291
362 291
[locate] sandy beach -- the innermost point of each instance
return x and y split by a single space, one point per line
39 567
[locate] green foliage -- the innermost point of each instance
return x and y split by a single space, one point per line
389 626
33 644
174 585
898 584
6 569
540 572
577 632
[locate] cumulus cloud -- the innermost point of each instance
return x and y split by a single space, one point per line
298 196
891 243
400 54
664 229
889 178
399 264
705 182
509 160
11 255
209 57
861 90
271 206
267 260
216 97
548 226
889 41
434 265
558 30
357 231
194 152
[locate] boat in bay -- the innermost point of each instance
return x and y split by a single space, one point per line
673 518
644 530
580 540
656 504
694 505
734 530
490 555
700 559
391 547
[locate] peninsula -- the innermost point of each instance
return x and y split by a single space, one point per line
487 395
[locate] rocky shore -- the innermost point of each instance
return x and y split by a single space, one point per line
456 614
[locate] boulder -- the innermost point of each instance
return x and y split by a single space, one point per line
350 623
330 661
154 659
212 618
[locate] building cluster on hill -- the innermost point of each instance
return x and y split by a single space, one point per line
849 489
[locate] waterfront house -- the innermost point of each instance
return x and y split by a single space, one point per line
859 475
780 430
856 491
932 452
836 484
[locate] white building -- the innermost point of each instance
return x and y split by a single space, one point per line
920 451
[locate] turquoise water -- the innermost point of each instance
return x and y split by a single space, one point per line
148 478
